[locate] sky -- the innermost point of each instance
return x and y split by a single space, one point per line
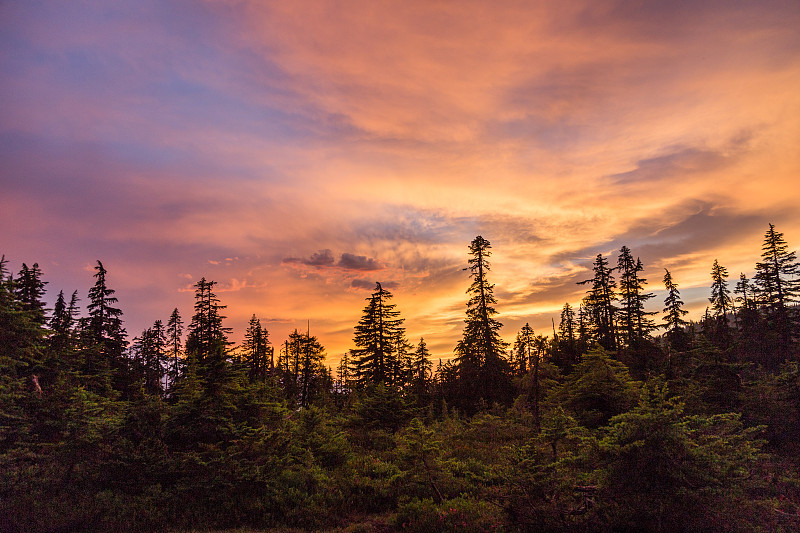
298 152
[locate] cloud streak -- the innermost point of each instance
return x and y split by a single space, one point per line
325 259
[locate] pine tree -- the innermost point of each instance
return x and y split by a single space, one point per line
422 367
778 280
28 290
568 345
751 326
673 307
720 295
160 359
149 354
174 333
103 338
777 274
584 333
60 324
343 375
523 349
207 341
721 304
599 303
567 328
376 334
480 354
104 325
403 373
745 290
21 343
304 355
634 318
257 350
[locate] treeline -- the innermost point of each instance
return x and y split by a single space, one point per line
605 426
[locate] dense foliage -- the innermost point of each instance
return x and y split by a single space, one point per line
606 426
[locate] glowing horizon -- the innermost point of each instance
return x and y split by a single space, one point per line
296 153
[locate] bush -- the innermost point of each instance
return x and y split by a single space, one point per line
458 514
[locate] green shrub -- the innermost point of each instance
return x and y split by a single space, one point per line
458 514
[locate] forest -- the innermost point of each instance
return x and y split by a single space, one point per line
623 419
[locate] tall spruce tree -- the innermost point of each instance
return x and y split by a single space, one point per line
721 302
673 307
778 281
480 354
778 273
61 325
599 303
174 343
21 344
376 334
207 341
745 291
302 371
104 325
149 354
567 328
257 351
104 338
59 322
718 327
523 350
343 373
29 290
634 319
422 368
568 346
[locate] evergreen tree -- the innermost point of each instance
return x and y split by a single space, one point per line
62 324
160 359
720 295
778 280
778 272
753 339
567 328
303 382
403 373
104 325
150 355
103 338
376 335
28 290
59 322
635 322
21 343
718 328
422 368
673 307
174 333
584 333
599 303
745 292
288 367
257 350
480 354
568 346
207 341
343 374
523 350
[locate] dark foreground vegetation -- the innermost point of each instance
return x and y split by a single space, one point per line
605 426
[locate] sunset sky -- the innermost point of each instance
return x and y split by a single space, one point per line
298 152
